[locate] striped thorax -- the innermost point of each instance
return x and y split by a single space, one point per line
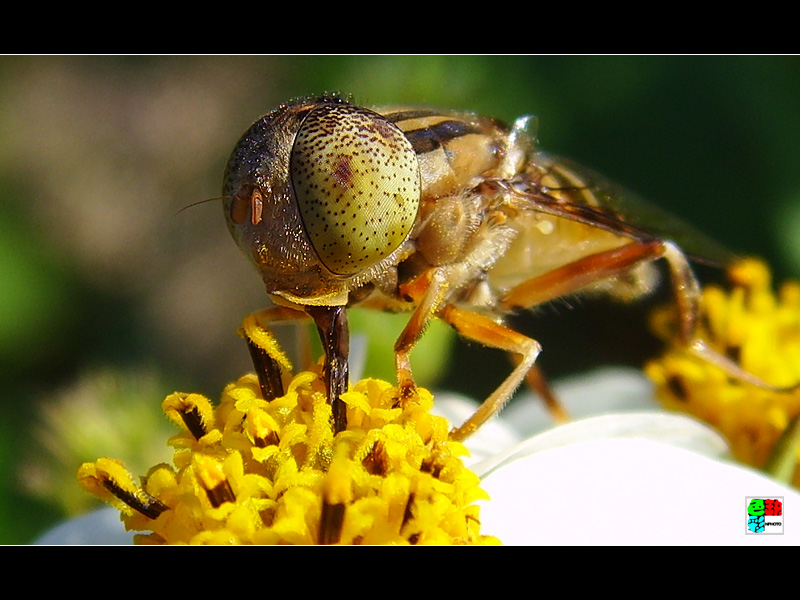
327 198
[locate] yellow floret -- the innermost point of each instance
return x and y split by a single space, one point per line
254 472
760 331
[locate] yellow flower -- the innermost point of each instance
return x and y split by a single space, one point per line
250 471
760 332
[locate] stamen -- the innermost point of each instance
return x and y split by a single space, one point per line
110 476
193 410
330 523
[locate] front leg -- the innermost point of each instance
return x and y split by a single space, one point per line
490 333
334 332
428 292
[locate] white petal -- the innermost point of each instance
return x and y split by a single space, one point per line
627 491
102 526
604 391
675 429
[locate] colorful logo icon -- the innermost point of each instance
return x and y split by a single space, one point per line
764 515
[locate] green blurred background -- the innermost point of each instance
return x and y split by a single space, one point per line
112 297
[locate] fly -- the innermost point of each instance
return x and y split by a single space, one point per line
442 215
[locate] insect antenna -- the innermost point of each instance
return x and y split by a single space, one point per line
199 202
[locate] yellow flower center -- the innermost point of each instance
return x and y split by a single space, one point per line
758 330
257 472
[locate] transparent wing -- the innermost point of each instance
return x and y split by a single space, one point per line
563 188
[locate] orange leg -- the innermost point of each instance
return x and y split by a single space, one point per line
490 333
538 383
581 273
429 290
571 278
596 267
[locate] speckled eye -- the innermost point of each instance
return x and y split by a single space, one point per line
357 183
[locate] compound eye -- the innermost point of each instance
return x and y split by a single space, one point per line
357 183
